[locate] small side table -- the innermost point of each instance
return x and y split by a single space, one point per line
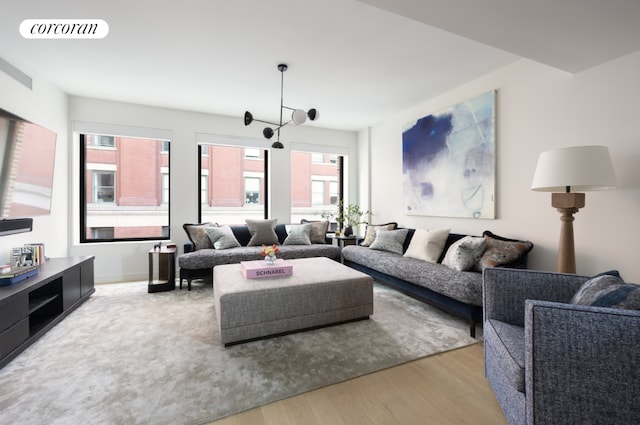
162 269
347 240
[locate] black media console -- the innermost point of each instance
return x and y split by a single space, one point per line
31 307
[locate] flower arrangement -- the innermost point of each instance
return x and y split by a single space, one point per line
269 253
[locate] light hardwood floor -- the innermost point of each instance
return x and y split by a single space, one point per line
444 389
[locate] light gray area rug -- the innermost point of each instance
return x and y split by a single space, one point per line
129 357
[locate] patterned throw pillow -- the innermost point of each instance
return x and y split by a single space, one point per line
390 240
222 237
427 245
318 230
370 233
463 254
501 251
298 234
263 232
197 234
608 290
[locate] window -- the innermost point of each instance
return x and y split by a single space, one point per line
252 153
103 187
232 183
316 184
124 191
204 188
102 141
165 188
317 192
251 191
102 233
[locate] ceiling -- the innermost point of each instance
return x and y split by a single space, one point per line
355 61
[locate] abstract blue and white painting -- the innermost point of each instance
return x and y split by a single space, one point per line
448 161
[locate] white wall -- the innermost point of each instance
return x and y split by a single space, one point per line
128 261
540 108
44 105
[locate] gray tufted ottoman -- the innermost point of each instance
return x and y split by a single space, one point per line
320 292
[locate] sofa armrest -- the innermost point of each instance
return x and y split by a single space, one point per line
505 291
189 247
581 364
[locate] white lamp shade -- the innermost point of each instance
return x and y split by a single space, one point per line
582 168
299 116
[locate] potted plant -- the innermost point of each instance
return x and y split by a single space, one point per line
347 217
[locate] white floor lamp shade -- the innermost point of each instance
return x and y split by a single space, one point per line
567 171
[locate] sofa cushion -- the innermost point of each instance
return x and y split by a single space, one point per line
318 230
209 258
298 234
389 240
608 291
197 234
263 232
370 233
507 345
464 253
501 251
465 287
427 245
222 237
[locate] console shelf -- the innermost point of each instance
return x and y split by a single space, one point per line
31 307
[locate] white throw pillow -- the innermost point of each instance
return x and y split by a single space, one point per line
427 245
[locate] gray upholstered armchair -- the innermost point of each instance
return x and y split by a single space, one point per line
550 362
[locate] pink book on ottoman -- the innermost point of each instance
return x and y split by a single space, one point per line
258 269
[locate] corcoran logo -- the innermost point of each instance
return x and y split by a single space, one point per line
64 28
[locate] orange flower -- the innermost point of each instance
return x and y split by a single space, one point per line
269 250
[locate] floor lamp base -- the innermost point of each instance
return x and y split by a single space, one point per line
567 204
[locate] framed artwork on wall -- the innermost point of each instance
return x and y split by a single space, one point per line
448 161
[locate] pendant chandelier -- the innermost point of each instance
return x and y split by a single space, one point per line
298 116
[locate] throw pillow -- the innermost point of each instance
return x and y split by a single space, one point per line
318 230
263 232
463 254
608 290
500 251
197 234
427 245
298 234
222 237
390 240
372 229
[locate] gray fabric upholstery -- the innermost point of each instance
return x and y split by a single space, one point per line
580 362
320 292
209 258
465 287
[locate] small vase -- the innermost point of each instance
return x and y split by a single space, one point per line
270 259
348 231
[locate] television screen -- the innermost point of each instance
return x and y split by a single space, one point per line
27 151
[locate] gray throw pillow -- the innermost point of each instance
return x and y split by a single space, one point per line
390 240
463 254
222 237
608 291
263 232
372 229
298 234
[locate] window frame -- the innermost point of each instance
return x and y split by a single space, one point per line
84 236
203 139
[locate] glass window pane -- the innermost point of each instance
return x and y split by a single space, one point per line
235 178
315 185
126 189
